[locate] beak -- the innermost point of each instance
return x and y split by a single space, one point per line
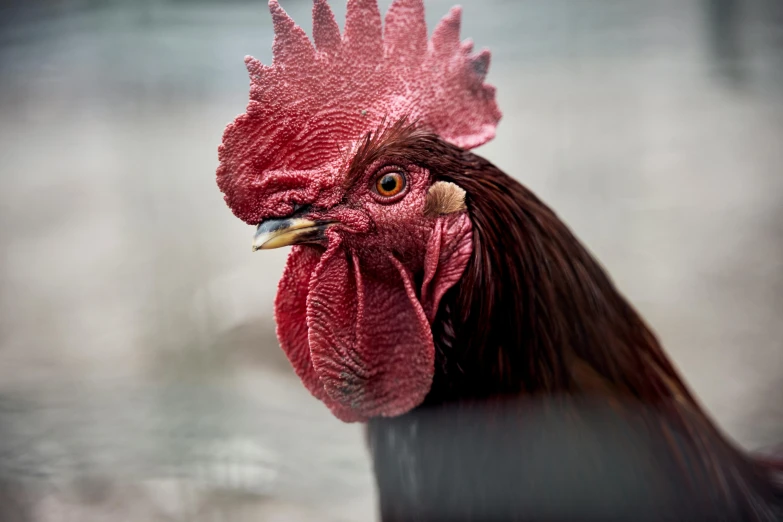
276 233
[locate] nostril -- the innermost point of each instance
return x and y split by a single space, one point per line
298 209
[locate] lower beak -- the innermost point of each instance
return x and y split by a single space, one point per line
276 233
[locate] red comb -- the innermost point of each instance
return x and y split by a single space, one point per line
311 105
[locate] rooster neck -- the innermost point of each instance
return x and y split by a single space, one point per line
534 316
534 312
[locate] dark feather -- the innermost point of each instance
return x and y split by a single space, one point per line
533 329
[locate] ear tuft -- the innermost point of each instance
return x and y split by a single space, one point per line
444 198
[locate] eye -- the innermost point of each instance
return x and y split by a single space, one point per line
390 184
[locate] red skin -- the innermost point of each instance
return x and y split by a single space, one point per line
354 314
368 350
308 110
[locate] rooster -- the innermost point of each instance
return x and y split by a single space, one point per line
434 298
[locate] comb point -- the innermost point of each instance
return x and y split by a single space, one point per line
480 63
445 37
291 45
405 32
280 19
326 32
363 31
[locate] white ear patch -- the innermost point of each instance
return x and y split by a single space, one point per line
444 198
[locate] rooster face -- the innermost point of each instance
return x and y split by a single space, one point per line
324 160
365 277
381 208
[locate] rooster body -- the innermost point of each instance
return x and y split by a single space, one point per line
563 406
501 375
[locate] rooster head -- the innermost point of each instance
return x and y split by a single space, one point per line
322 160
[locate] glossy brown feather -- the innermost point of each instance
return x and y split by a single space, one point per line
536 317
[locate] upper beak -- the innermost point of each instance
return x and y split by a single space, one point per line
276 233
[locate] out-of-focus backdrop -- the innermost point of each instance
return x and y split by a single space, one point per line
140 377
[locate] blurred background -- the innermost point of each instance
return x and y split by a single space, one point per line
140 377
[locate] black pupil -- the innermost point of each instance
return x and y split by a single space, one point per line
389 183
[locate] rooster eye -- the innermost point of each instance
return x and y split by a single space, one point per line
390 184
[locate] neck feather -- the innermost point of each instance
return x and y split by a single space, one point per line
535 315
534 312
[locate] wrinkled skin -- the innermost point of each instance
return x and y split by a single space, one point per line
355 307
354 313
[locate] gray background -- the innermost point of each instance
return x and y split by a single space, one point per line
140 377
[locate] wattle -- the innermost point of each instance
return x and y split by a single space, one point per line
361 343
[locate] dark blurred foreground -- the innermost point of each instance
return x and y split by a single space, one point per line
140 378
560 459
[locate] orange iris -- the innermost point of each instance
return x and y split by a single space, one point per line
390 184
